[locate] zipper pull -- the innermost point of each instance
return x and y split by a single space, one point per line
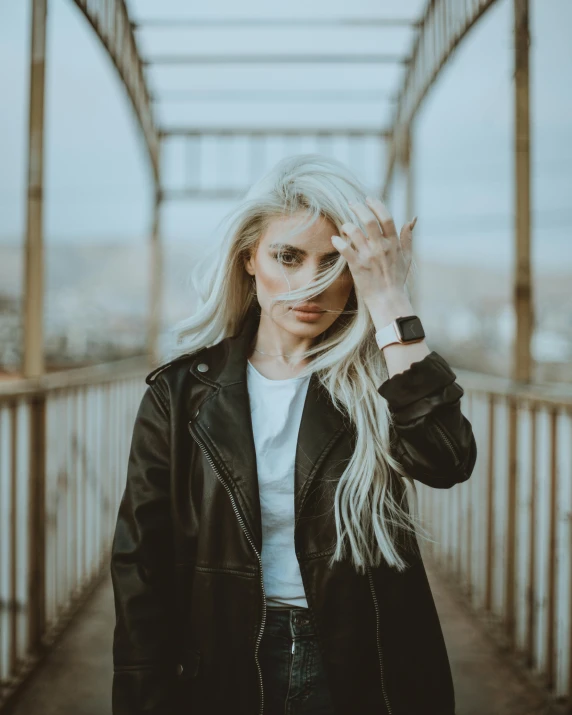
293 642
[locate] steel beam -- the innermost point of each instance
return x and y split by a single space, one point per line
522 290
221 193
155 282
320 22
33 357
112 25
407 162
266 59
272 95
272 131
443 26
206 194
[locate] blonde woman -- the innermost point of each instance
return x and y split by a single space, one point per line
266 557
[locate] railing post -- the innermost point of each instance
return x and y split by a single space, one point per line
408 168
490 506
510 575
33 358
156 281
37 524
552 525
13 610
523 285
532 550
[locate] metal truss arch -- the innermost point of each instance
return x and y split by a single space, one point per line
112 24
444 25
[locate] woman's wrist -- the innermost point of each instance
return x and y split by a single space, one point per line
386 307
399 356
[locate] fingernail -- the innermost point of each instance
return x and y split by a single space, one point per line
413 223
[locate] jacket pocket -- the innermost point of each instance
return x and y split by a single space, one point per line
190 666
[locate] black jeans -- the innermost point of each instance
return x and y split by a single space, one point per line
292 669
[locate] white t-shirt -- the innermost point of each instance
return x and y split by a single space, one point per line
276 409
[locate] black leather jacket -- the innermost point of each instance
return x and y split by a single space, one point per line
186 566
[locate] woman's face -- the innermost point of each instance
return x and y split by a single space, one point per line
283 264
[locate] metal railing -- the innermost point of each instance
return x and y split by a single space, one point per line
505 534
64 444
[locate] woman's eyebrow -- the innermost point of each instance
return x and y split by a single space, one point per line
301 251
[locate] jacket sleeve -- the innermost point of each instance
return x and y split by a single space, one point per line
142 570
434 441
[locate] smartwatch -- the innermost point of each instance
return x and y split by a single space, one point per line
404 329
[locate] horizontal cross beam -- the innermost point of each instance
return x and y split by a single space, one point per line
244 59
177 23
274 131
270 95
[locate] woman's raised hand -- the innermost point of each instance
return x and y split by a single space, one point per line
379 261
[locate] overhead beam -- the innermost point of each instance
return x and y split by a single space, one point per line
272 95
266 59
112 25
272 131
221 193
442 28
177 23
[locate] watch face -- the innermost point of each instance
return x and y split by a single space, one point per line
410 328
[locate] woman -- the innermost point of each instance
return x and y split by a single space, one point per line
265 558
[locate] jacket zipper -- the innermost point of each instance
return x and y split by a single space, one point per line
447 442
379 650
251 542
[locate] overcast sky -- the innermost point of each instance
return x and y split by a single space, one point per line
98 185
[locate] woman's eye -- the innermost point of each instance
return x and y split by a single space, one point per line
287 259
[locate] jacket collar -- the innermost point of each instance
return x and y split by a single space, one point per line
223 424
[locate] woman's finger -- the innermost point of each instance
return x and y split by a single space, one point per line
373 230
384 217
358 240
344 248
406 241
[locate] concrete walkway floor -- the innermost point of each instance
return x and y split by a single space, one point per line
76 677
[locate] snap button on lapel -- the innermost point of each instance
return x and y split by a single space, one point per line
202 367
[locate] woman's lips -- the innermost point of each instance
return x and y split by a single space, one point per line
306 315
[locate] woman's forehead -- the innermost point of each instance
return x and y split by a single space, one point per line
288 230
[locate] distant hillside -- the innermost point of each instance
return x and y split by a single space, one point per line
99 294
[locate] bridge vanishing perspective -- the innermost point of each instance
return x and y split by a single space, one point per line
501 540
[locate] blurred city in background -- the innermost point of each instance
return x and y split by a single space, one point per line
98 188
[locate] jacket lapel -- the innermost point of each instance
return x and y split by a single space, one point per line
320 427
223 424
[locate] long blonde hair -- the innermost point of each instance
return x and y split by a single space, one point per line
369 511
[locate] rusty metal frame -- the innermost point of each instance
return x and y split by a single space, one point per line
443 26
253 134
33 357
111 23
273 95
272 132
271 22
277 58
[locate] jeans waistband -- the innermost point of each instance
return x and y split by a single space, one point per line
290 622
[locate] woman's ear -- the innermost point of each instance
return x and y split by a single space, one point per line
249 265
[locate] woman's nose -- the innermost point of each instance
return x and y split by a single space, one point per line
310 272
